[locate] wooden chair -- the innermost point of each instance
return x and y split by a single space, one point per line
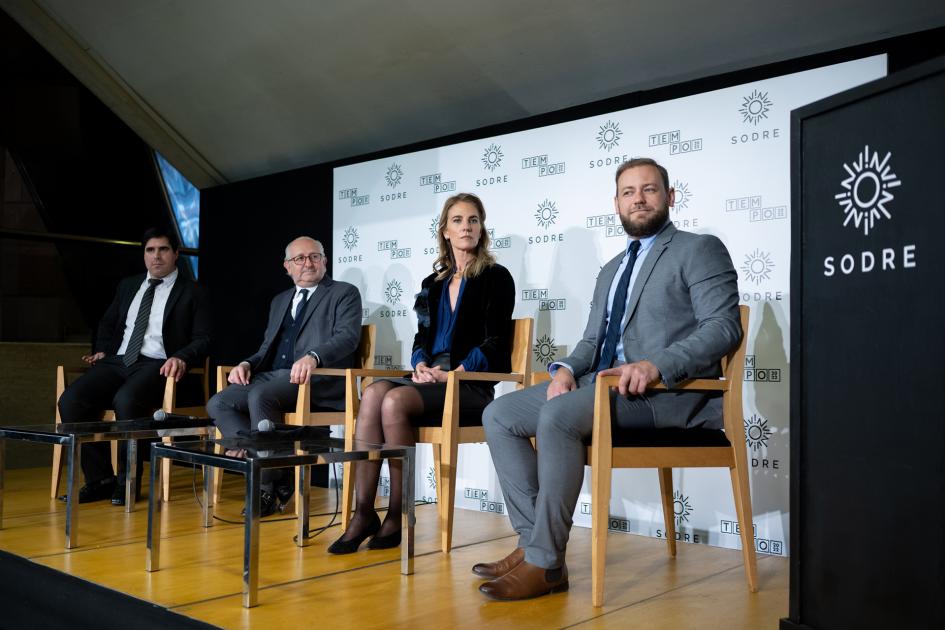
168 404
447 437
665 449
303 414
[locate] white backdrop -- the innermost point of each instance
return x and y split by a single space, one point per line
548 194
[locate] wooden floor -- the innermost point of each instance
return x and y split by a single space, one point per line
704 587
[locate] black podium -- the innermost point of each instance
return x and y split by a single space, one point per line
868 356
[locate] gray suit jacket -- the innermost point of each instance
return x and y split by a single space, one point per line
682 317
331 326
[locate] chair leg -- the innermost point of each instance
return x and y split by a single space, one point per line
742 494
600 521
447 493
56 471
166 473
669 513
218 477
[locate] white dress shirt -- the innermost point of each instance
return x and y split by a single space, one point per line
153 344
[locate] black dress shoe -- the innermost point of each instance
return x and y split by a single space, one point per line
388 541
284 492
97 490
118 495
341 546
268 504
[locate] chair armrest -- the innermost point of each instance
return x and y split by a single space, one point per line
695 384
329 372
513 377
540 377
355 372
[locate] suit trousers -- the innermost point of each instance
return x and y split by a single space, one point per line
133 392
242 407
541 488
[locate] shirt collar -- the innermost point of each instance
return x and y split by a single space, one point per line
645 242
168 280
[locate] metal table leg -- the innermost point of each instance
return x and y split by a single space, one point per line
72 498
251 537
407 512
153 562
131 474
301 536
209 472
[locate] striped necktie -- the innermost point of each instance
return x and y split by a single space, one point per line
141 323
609 349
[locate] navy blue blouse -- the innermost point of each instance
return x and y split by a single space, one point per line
475 361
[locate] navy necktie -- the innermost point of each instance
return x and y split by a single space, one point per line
615 322
303 293
141 323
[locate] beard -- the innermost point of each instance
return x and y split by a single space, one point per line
648 226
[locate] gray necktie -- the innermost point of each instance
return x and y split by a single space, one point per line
141 323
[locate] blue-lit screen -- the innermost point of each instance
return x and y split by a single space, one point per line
185 204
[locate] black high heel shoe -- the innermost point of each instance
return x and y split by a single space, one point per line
341 546
388 541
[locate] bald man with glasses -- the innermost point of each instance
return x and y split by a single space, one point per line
316 323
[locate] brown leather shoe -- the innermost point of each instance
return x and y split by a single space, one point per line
493 570
526 581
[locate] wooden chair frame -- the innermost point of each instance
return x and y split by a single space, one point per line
303 415
447 437
167 404
603 457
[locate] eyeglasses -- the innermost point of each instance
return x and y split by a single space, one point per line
313 258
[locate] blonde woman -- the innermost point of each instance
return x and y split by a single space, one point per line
464 322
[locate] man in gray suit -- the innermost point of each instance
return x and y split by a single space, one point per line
665 309
317 323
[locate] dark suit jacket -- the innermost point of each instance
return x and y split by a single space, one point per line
331 327
186 331
484 319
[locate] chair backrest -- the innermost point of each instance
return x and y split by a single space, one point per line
733 371
521 348
366 346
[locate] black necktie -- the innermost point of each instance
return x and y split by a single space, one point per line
141 323
303 293
614 324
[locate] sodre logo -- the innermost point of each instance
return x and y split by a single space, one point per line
863 201
492 157
866 190
545 350
757 266
608 136
393 292
756 432
755 107
681 508
395 175
350 238
546 214
683 195
431 478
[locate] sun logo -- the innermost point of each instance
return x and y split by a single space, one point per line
545 350
609 135
547 213
434 224
867 190
757 266
681 508
683 195
756 432
394 176
431 478
492 157
755 106
350 238
393 292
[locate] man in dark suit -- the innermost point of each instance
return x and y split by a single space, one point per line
316 323
156 327
664 309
